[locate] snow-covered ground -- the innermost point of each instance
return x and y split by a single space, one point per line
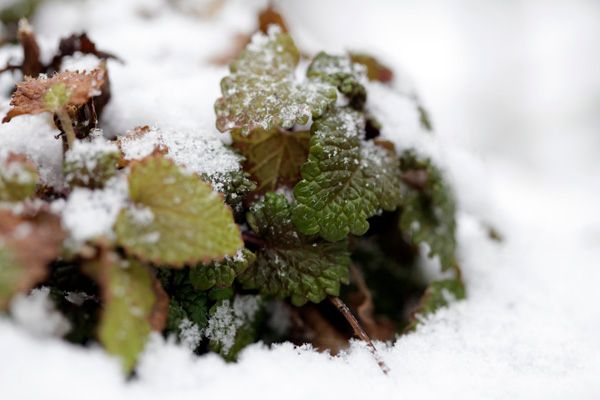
513 88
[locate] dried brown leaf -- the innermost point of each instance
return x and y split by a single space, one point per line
81 87
27 244
78 44
269 16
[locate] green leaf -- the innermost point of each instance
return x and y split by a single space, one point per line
56 97
438 294
273 157
344 182
187 303
91 163
233 325
235 186
129 298
262 92
290 264
18 178
174 218
221 273
428 209
343 73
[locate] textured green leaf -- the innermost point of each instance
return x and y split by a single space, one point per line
438 294
343 73
345 182
187 303
428 209
262 92
290 264
221 273
235 186
18 178
129 298
233 324
91 163
174 218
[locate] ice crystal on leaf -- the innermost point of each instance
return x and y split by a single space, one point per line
34 96
18 177
262 92
343 73
231 326
91 163
343 181
221 273
190 222
291 264
428 209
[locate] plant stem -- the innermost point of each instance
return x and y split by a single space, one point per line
359 331
67 126
250 237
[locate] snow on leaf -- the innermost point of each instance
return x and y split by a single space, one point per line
376 71
190 149
91 163
273 157
344 182
131 302
35 96
174 218
221 273
428 209
18 177
261 90
27 245
290 264
232 325
341 72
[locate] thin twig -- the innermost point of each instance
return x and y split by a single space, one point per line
359 331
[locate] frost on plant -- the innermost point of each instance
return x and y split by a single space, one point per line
262 91
304 203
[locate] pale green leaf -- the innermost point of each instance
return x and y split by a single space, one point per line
174 218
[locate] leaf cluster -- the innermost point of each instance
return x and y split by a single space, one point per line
317 204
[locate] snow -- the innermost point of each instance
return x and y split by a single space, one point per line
194 149
228 318
88 214
36 314
512 88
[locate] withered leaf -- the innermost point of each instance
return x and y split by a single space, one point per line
31 94
31 64
273 157
78 44
270 16
27 245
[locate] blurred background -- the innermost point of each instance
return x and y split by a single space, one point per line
519 79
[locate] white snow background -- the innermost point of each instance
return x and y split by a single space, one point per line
513 88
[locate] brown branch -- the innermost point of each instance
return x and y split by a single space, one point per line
359 331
